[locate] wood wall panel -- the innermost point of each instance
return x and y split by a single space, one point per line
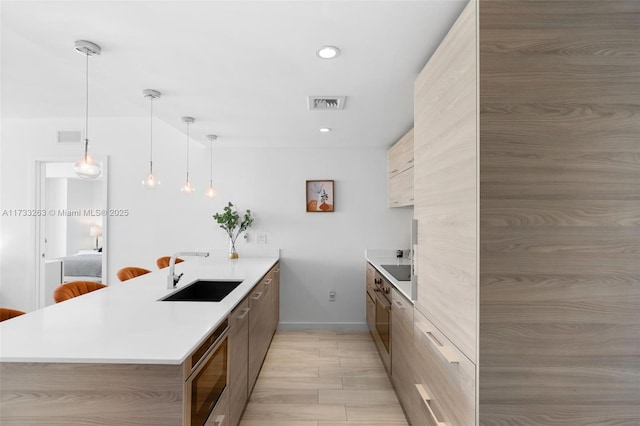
445 185
559 212
91 394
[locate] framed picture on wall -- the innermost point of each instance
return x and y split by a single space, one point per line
320 196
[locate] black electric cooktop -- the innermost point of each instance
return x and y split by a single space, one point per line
399 272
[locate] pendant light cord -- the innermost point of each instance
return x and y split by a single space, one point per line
211 165
187 152
86 117
151 138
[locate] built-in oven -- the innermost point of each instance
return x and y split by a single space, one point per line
208 378
383 319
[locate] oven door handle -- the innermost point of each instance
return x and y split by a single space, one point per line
383 301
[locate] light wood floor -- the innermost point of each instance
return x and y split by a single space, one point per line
323 378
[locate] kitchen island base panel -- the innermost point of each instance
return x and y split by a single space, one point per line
91 394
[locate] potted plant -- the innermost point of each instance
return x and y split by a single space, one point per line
229 220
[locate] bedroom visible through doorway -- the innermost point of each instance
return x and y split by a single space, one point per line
72 231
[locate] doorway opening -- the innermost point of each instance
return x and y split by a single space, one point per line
71 234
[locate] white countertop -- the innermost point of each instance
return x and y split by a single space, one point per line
379 257
125 323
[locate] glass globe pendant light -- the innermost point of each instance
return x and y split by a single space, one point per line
87 167
150 181
187 187
211 191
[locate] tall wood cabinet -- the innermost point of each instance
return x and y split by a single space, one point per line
527 195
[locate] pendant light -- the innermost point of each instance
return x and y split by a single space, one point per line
86 167
211 191
150 181
187 187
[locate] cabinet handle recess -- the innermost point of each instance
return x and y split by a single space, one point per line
394 170
427 401
244 313
445 351
219 421
398 304
257 296
267 282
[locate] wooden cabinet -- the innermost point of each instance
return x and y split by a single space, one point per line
526 184
274 293
220 415
238 361
402 346
446 200
370 304
251 327
262 321
400 172
444 378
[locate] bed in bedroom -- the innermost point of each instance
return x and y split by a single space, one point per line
82 266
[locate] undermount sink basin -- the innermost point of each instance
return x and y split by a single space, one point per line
203 291
399 272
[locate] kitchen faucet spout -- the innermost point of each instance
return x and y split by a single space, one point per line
173 279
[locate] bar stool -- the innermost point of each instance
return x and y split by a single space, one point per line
7 313
73 289
163 261
129 272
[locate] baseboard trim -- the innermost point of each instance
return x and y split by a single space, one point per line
323 326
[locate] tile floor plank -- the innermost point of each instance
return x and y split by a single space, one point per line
323 378
282 412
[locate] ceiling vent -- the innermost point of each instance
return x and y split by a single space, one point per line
326 103
69 136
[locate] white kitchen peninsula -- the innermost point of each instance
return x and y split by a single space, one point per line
116 355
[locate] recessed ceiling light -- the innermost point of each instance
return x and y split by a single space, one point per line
328 52
325 130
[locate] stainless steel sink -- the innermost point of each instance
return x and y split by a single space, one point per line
203 291
399 272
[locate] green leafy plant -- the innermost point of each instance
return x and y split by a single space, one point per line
229 220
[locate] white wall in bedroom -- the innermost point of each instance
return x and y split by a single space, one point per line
319 251
82 195
56 226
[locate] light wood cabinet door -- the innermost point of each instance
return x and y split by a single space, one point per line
400 189
258 332
370 311
274 293
400 172
401 344
238 361
446 187
400 155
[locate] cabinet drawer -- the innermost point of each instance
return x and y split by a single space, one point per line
445 378
220 415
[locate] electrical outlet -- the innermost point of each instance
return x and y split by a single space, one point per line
261 238
332 295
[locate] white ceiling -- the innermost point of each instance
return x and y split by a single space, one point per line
242 69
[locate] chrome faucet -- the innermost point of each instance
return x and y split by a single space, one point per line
173 279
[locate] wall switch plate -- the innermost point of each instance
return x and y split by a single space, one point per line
261 238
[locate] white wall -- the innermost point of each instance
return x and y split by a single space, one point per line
82 195
56 226
319 251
